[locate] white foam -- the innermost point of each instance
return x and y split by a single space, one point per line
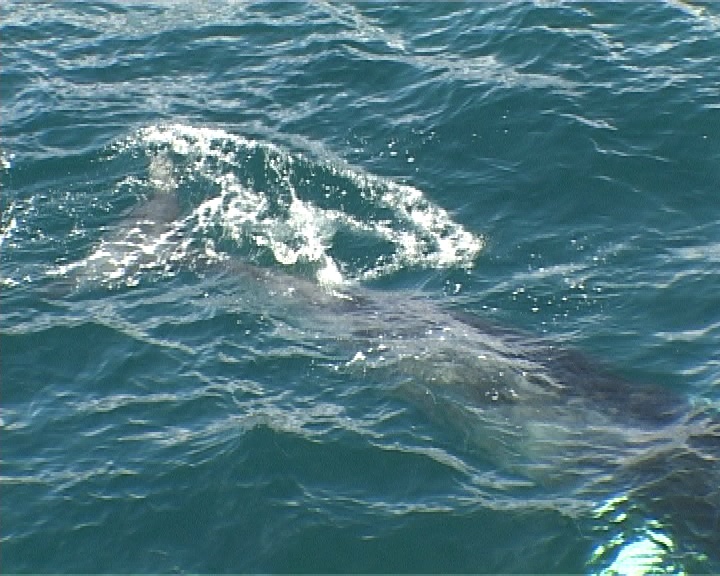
9 228
6 160
262 197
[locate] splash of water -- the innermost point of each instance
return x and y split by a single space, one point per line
258 200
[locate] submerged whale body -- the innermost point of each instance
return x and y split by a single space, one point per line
542 416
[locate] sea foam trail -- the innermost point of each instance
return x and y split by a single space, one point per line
257 200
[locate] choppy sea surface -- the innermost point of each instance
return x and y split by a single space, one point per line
329 287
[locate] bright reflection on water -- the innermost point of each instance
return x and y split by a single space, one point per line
632 545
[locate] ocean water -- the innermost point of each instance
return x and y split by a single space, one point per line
327 287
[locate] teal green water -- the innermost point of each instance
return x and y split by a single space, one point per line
360 288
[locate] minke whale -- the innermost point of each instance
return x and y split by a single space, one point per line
547 419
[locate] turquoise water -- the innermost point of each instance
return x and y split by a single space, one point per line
360 288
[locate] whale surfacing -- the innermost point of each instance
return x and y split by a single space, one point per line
542 415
